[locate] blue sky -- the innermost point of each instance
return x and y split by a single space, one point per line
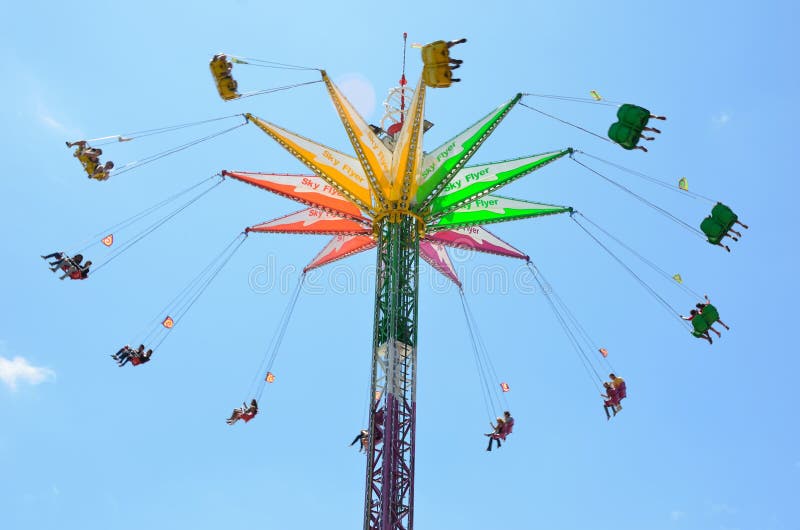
708 438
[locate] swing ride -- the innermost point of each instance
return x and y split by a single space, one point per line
407 203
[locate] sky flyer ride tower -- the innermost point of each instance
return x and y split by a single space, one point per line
409 204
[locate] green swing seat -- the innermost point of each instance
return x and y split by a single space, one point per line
625 135
724 216
700 327
709 314
633 115
713 230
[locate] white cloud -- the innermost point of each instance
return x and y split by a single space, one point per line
19 370
723 118
677 515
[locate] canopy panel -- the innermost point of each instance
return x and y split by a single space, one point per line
439 166
479 239
312 221
374 156
495 209
473 182
340 247
407 155
338 169
307 189
436 256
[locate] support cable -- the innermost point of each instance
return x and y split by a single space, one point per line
659 209
586 362
649 289
153 227
566 122
660 182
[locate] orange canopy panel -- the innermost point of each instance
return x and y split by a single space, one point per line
307 189
340 247
312 221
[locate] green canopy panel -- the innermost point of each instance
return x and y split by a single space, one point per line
473 182
713 230
495 209
441 164
624 135
633 115
724 216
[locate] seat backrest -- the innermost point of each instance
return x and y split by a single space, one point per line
712 229
633 115
622 390
435 53
724 215
699 324
437 76
710 314
623 134
508 427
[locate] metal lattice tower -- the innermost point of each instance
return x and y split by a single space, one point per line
389 496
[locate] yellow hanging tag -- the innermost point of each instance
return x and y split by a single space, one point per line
595 95
683 184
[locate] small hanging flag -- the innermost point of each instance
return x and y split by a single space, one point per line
270 377
505 387
108 240
677 278
603 352
683 184
168 322
595 95
416 45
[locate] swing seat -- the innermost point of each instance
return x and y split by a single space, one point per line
99 176
621 391
700 327
713 230
633 115
226 86
624 135
710 314
220 66
435 53
247 416
438 75
88 164
724 216
505 430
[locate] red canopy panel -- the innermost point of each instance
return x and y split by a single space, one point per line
307 189
312 221
340 247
